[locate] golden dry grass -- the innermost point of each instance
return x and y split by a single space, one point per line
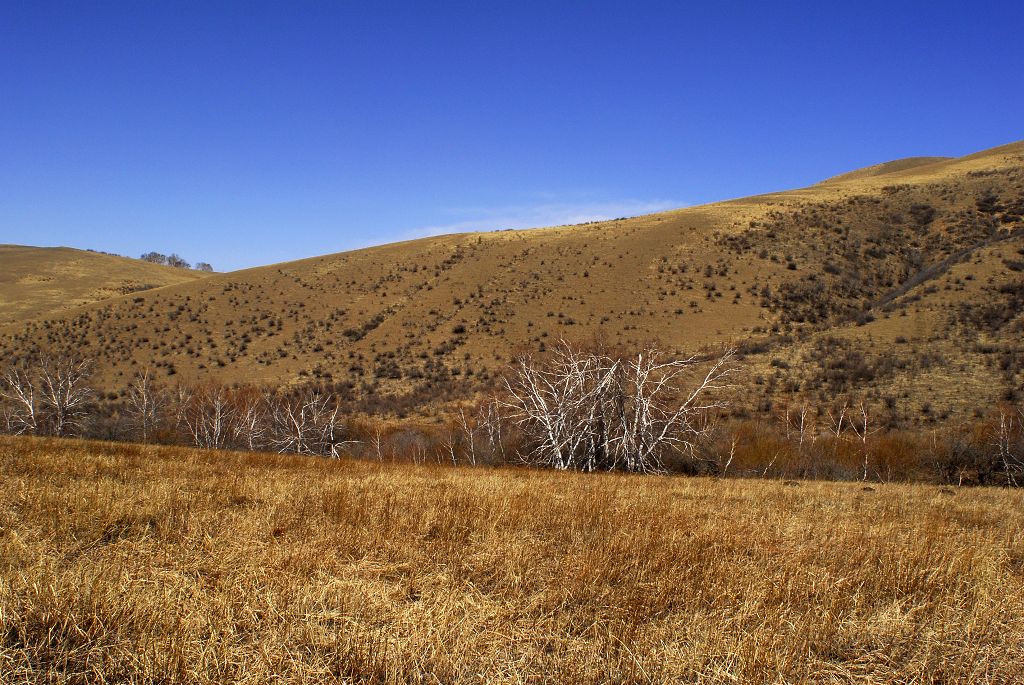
123 563
42 282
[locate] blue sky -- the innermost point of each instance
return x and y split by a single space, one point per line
248 133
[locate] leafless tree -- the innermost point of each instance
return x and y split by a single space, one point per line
805 428
378 443
206 414
6 416
656 411
469 429
251 426
476 434
18 389
836 421
1013 466
332 428
556 402
63 393
308 424
292 428
590 411
718 461
863 431
800 428
146 401
51 396
182 399
450 444
490 422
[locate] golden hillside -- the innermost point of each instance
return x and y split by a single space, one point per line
903 282
41 282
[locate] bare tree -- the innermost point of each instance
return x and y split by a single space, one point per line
1013 467
655 411
805 426
18 389
490 421
477 434
292 428
63 393
377 442
6 416
469 433
251 426
182 400
724 467
800 428
146 400
863 431
331 427
206 414
450 444
590 411
556 402
51 396
716 460
836 422
308 424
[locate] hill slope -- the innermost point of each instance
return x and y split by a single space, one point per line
907 164
904 286
39 282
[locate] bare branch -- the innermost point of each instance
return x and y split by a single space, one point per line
589 411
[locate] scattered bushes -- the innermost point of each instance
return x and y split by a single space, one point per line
590 410
840 444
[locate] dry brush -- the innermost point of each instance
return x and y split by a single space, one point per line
128 563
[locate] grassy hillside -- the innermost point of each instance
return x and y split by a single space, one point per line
43 282
887 168
902 282
141 564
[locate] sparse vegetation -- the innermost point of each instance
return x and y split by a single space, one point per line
43 283
573 409
404 328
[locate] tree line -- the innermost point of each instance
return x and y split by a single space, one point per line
581 408
174 260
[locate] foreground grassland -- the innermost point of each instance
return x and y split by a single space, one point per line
123 563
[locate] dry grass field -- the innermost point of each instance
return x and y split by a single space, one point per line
131 564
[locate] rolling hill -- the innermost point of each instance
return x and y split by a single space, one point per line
903 282
40 282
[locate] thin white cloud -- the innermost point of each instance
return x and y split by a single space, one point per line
540 215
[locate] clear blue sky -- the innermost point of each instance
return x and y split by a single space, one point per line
250 133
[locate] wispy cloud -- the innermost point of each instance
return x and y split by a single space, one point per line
547 213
